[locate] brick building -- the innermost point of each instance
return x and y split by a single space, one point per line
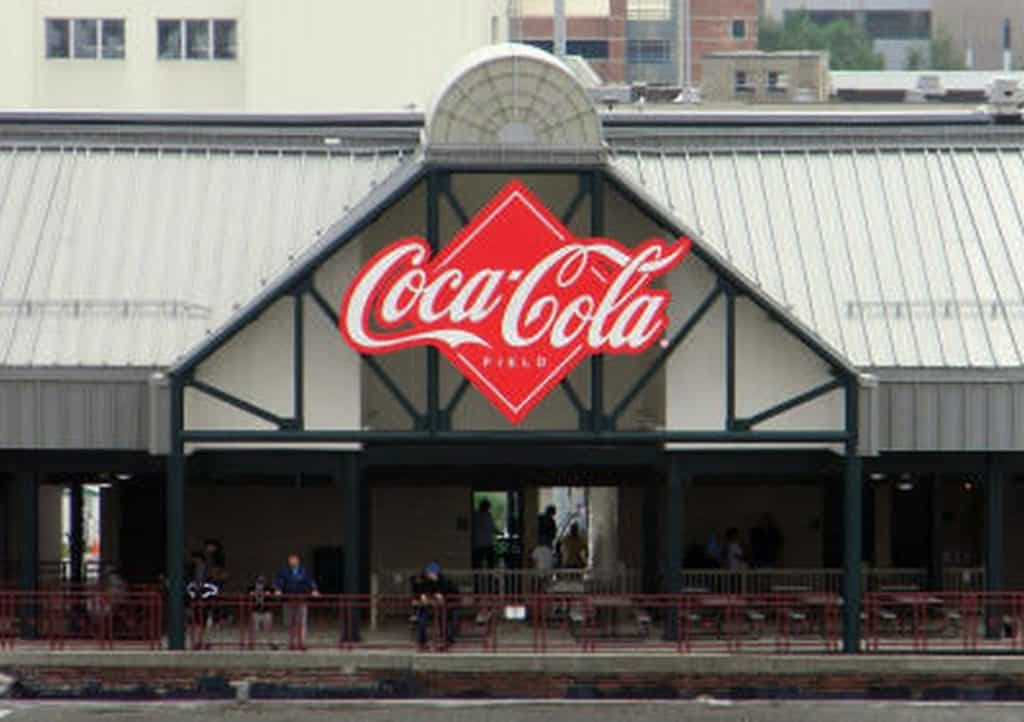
642 40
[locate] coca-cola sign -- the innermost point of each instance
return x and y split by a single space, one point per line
514 301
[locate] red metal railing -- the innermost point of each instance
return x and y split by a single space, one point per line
894 620
95 618
916 621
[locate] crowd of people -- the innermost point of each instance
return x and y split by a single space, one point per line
206 577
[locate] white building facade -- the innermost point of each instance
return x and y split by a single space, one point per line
236 55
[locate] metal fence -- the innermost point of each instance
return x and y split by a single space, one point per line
62 618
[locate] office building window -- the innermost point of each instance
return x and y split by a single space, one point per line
739 29
58 38
85 38
649 51
590 49
197 39
741 84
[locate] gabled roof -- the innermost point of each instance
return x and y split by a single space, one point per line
402 182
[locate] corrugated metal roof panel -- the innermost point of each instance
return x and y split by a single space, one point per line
897 257
127 256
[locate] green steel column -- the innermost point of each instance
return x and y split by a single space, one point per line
76 542
674 516
176 521
352 532
935 541
29 490
853 549
853 521
994 525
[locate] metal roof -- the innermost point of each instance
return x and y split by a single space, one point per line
900 246
126 256
897 257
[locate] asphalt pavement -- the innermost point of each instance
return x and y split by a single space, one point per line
639 711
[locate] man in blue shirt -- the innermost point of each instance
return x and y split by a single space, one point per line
294 581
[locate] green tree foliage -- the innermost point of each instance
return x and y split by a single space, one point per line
915 59
849 47
944 55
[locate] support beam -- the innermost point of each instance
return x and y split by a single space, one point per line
853 519
433 381
76 535
349 475
853 524
730 358
176 521
597 415
28 488
298 362
672 580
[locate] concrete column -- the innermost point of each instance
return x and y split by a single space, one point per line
603 529
110 526
76 533
853 550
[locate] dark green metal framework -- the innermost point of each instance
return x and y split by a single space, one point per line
431 426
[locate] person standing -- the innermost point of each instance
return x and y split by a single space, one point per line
483 537
547 528
574 549
295 582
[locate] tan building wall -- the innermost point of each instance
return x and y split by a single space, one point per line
980 26
413 525
261 525
799 75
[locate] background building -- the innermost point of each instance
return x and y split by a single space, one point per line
641 40
896 27
792 76
978 26
259 55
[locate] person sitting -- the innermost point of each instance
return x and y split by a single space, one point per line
432 592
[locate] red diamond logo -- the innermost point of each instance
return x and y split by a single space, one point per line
514 301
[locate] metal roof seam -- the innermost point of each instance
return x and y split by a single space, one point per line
902 271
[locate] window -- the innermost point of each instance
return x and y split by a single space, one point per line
649 51
85 38
112 33
590 49
197 39
58 39
777 82
741 85
739 29
649 10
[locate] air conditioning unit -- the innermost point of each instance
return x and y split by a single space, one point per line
928 87
1005 97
